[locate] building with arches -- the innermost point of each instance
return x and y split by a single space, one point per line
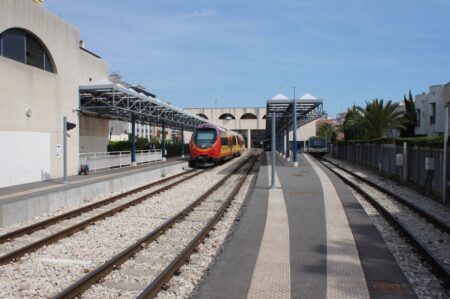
249 121
42 64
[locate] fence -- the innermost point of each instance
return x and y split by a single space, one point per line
383 158
107 160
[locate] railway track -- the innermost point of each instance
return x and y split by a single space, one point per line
61 226
428 234
146 266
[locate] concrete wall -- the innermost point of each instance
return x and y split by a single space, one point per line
306 131
49 96
93 134
15 211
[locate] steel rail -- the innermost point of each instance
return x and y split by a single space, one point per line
74 213
81 285
166 275
430 217
14 255
436 263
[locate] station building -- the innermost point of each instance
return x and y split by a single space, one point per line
250 122
42 64
46 74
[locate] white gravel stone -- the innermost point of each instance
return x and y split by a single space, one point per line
30 277
423 282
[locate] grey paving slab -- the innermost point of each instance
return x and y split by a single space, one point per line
231 276
345 275
384 277
306 215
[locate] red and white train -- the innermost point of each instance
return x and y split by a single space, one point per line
211 144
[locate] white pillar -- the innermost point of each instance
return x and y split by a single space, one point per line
249 139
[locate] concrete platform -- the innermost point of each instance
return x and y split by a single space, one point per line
308 238
23 202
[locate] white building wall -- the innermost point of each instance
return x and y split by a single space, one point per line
50 96
304 132
440 95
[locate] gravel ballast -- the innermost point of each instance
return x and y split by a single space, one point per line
50 269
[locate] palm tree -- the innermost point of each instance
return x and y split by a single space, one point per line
409 119
380 117
352 126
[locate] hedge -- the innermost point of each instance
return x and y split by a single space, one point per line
173 149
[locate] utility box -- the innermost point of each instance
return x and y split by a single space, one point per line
399 160
429 163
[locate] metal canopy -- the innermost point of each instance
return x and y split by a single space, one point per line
307 111
114 101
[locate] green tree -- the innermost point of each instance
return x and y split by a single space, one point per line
327 131
409 119
379 117
352 126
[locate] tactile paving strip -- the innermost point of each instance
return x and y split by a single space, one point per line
345 276
271 277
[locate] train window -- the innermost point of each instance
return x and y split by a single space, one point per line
223 138
205 135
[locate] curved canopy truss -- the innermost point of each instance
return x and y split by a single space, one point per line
114 101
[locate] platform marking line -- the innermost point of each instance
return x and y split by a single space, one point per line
271 276
345 276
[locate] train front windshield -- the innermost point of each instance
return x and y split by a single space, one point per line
205 136
317 142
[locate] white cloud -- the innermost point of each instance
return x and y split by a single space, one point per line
204 12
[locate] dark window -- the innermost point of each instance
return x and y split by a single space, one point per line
433 113
227 116
47 64
207 136
317 142
417 117
249 116
23 47
223 138
13 44
35 53
202 115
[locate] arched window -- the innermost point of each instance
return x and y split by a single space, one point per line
265 116
227 116
249 116
25 47
202 115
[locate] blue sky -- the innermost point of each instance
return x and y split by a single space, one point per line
240 53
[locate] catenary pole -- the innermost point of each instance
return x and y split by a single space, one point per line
272 186
444 167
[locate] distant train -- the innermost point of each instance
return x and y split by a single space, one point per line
211 144
316 146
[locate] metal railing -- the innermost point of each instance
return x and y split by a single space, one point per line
107 160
